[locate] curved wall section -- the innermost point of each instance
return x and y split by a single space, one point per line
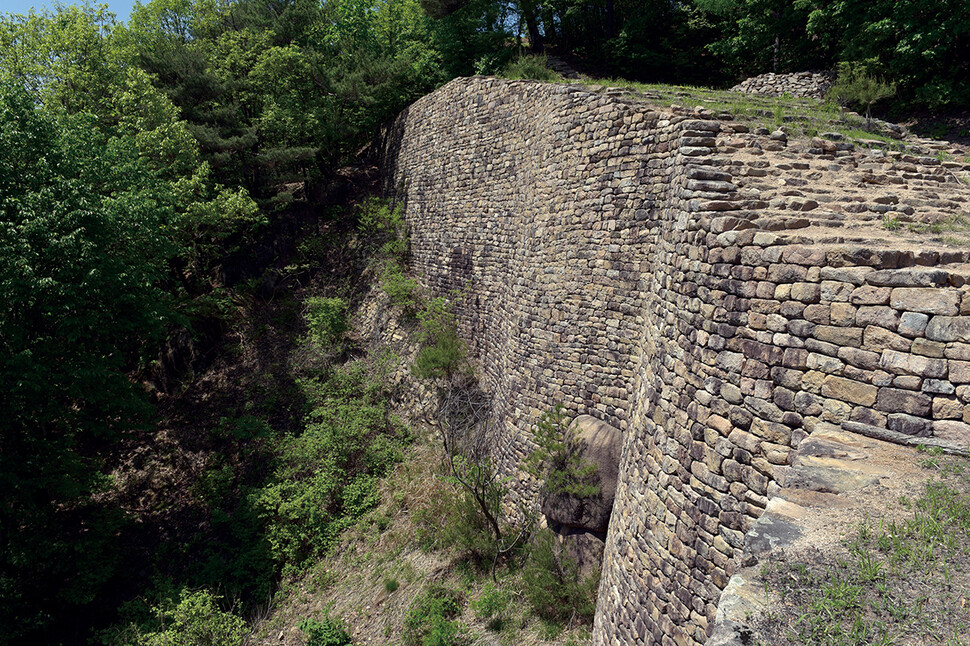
640 266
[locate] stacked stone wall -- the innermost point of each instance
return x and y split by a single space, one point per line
798 84
662 272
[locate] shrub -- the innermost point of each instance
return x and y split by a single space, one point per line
431 619
329 632
492 606
557 461
552 583
530 67
195 619
326 319
454 520
384 224
443 353
325 477
402 290
856 86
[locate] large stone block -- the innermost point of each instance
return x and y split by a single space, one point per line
848 390
926 301
894 400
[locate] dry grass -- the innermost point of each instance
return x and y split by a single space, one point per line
378 571
901 578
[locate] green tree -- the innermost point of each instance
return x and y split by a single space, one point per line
924 46
81 258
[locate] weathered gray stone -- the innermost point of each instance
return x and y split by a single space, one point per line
910 425
908 278
949 328
894 400
912 324
926 300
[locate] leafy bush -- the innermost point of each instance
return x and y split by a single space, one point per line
402 290
552 583
492 606
325 477
453 520
326 319
530 67
384 224
329 632
557 461
443 353
856 86
195 619
431 619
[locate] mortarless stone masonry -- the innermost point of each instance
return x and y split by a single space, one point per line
704 289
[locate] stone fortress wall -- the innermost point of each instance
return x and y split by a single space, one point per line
714 293
798 84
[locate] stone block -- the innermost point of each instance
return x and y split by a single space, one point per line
806 292
952 431
869 295
853 275
910 425
863 359
959 371
841 336
848 390
926 301
832 291
947 408
906 363
879 315
958 351
908 278
842 314
877 339
928 348
895 400
818 314
938 386
907 382
948 329
912 324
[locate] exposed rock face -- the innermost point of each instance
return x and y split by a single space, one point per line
600 446
715 294
798 84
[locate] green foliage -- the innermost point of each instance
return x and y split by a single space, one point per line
329 632
492 606
195 619
81 259
326 319
530 67
856 86
552 584
443 353
402 289
557 460
326 476
431 619
384 225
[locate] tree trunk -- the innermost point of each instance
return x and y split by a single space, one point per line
532 26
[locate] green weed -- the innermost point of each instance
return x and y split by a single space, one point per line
328 632
432 619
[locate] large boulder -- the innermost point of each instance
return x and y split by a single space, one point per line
599 444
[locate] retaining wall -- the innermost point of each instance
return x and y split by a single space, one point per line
665 273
